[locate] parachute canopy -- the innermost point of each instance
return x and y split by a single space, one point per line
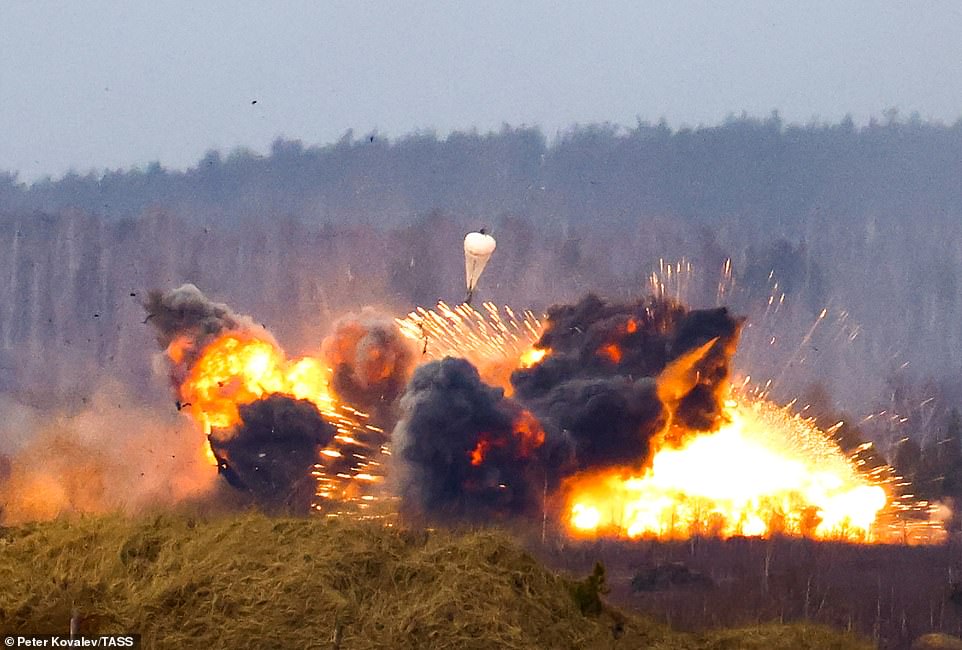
478 247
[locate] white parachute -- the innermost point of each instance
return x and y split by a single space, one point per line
478 247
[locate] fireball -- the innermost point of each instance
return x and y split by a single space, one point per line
239 368
765 472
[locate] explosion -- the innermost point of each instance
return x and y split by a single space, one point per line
276 428
465 451
239 368
617 419
764 472
642 432
493 340
371 364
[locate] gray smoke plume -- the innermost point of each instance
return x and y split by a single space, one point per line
186 315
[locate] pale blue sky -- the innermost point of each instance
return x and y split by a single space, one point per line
88 85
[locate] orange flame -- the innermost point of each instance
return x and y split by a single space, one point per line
764 473
240 368
612 351
480 450
532 357
529 433
526 432
178 348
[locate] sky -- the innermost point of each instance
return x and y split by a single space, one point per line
92 85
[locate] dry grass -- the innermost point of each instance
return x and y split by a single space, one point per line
254 582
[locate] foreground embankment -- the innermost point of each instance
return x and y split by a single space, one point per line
250 581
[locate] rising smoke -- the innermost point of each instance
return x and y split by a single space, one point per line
270 417
186 318
615 377
594 339
186 311
270 453
466 451
116 453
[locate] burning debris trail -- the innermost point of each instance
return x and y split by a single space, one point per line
495 341
275 425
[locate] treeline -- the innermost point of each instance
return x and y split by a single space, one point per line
762 172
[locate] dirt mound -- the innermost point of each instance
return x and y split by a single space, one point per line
252 581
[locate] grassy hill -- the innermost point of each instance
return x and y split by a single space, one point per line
254 582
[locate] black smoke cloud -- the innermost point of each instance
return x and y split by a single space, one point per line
616 377
371 362
466 451
700 408
186 311
270 455
595 339
606 420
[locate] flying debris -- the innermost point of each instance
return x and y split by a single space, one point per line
478 247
